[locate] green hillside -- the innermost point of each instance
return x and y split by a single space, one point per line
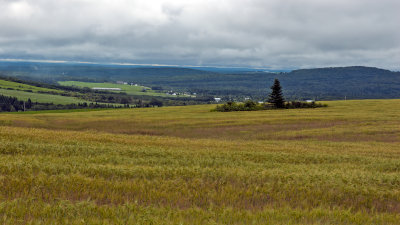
75 94
5 84
24 92
40 97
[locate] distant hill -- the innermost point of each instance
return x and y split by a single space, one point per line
355 82
101 72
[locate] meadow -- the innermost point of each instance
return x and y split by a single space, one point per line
188 165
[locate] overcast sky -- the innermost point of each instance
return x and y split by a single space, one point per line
252 33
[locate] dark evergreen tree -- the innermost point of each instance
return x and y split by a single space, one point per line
28 104
276 96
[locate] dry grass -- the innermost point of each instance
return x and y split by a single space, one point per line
337 165
342 121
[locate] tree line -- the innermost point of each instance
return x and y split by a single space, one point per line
12 104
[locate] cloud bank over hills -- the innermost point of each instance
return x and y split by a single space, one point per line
257 33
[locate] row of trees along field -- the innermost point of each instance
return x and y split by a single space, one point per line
275 101
12 104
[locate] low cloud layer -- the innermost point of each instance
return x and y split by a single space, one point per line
254 33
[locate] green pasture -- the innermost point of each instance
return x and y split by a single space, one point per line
40 97
4 84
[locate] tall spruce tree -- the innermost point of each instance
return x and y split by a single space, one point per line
276 96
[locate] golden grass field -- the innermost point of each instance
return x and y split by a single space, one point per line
187 165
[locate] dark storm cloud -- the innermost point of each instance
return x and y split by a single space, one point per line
259 33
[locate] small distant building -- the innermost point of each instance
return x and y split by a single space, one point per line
310 101
260 102
217 99
173 93
246 99
120 82
107 89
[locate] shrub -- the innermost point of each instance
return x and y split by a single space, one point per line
233 106
295 104
253 106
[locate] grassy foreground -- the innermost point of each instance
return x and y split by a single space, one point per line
187 165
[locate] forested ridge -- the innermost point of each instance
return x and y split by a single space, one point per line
355 82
